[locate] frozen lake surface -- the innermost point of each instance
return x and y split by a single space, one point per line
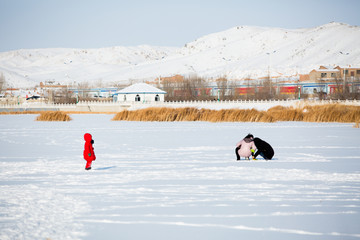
177 180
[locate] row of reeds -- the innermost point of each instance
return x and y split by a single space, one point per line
320 113
39 112
19 112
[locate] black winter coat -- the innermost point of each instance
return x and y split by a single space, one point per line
264 148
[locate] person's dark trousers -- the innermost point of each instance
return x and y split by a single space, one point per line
237 154
264 155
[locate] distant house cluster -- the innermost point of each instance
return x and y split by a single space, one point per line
325 80
328 73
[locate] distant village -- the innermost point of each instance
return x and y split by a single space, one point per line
326 82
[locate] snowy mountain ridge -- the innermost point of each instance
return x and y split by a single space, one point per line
237 53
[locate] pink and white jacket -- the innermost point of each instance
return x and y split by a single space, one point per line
245 145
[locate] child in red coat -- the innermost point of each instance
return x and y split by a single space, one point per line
89 154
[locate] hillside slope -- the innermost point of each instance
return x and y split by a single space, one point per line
237 53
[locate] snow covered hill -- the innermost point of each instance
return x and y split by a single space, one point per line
237 53
30 67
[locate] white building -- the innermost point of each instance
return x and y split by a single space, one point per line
141 92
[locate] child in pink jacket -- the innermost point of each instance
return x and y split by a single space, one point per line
245 148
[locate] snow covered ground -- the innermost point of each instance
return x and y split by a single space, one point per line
177 180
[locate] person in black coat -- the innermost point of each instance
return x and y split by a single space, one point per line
263 149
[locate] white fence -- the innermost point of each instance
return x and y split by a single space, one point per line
89 106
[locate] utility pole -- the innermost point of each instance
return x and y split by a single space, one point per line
269 54
269 73
343 53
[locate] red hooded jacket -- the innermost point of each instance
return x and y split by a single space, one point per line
88 148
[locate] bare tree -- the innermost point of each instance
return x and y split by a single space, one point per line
2 82
198 89
222 84
63 96
168 87
233 94
266 89
339 89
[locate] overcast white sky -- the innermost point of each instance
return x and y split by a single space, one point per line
28 24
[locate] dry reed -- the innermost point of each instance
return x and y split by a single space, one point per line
53 116
280 113
193 114
332 113
321 113
39 112
16 113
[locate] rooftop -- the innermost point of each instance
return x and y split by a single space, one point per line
138 88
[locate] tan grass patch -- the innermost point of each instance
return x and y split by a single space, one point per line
280 113
53 116
332 113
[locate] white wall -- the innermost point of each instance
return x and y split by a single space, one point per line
143 97
85 106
